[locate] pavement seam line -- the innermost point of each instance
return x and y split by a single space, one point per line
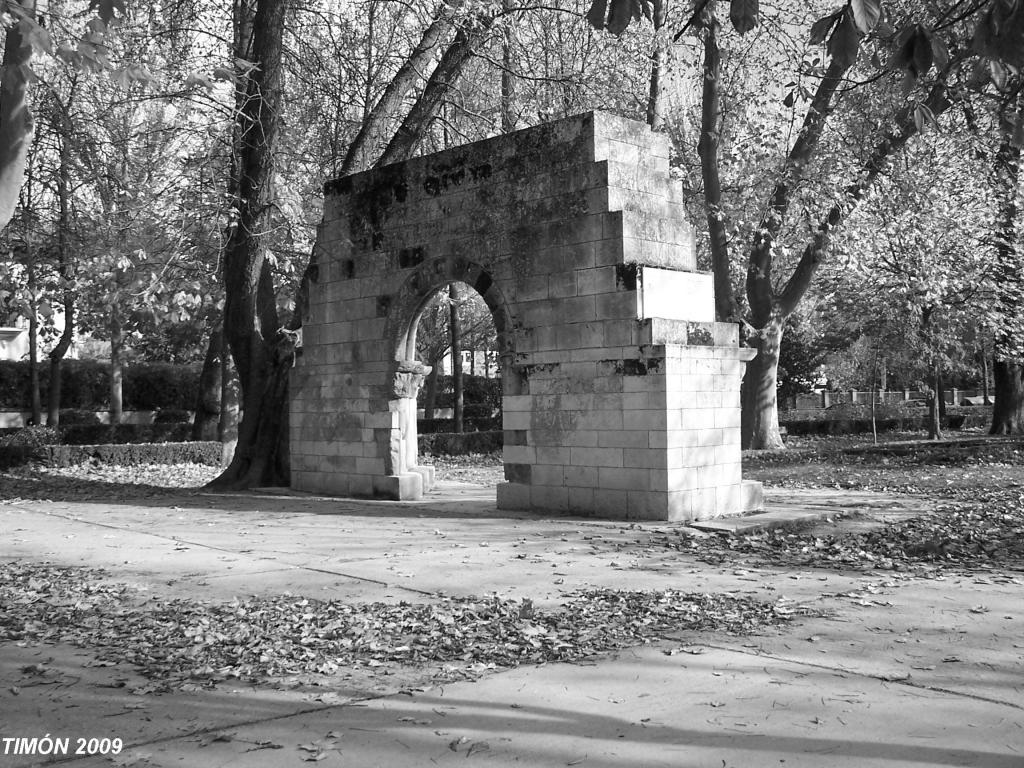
230 551
881 678
243 724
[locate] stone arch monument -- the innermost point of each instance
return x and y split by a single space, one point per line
620 391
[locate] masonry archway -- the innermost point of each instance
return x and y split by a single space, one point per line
411 300
425 281
620 392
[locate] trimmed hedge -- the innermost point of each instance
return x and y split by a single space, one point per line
853 426
431 426
461 443
158 386
173 416
77 417
129 454
85 384
476 390
95 434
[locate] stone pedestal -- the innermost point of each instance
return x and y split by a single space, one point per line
654 436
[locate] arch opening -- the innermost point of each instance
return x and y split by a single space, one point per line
466 348
406 340
458 406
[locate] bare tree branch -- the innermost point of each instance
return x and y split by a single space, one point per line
448 69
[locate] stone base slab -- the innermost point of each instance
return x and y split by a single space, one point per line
753 495
652 505
407 486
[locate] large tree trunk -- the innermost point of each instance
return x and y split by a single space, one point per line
441 81
207 406
508 120
251 323
116 366
935 404
759 394
373 133
264 357
455 328
1008 368
66 270
1008 411
659 55
260 456
33 341
15 116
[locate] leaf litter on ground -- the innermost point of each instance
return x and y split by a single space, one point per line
978 522
177 642
479 468
987 534
95 481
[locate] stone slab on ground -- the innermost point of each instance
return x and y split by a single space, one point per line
763 521
797 509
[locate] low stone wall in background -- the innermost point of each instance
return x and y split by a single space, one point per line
823 423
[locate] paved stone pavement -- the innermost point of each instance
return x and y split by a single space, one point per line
901 672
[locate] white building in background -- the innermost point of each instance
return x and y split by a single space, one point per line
478 362
13 343
14 337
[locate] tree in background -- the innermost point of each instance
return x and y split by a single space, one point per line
915 274
24 34
454 38
434 333
16 122
805 348
159 147
866 83
105 194
208 167
262 347
1008 362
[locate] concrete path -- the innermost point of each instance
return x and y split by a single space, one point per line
902 672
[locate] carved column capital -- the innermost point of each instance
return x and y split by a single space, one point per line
408 378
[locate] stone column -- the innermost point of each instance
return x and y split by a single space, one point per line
405 479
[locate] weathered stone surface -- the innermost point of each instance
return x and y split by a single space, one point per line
621 392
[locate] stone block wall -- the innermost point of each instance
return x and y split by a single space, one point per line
621 392
650 435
